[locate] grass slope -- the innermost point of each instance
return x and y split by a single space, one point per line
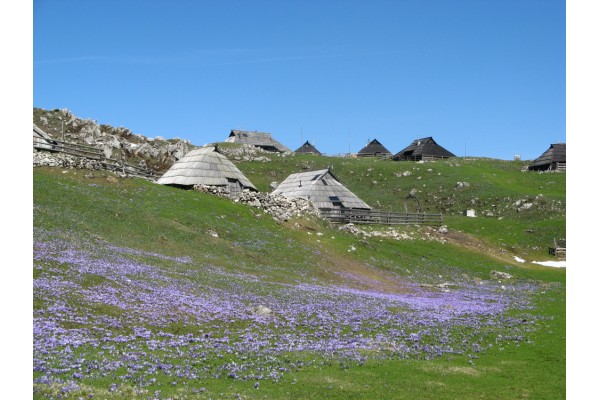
493 186
145 291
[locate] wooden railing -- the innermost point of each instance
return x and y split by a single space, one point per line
69 148
92 153
418 158
346 215
561 166
381 156
560 252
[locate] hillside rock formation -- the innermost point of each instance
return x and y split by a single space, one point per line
156 154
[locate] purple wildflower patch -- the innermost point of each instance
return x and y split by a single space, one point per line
107 311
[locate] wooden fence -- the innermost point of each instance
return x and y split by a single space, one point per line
419 158
92 153
380 156
379 217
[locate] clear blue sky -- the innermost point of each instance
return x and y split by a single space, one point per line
488 76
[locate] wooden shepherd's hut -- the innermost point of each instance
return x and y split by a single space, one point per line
422 149
374 149
262 140
307 148
206 166
555 158
322 188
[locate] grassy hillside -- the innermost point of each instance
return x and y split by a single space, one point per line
145 291
490 186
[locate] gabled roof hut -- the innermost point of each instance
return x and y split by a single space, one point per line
374 149
422 149
307 148
206 166
552 159
42 140
322 188
258 139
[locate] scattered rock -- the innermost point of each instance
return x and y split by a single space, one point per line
213 233
262 311
500 275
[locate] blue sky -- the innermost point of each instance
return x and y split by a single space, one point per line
482 77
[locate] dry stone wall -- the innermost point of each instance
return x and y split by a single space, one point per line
278 206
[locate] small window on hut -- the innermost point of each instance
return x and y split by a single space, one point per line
315 177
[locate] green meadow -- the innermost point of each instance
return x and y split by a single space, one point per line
149 292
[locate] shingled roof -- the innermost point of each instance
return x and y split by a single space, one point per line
206 166
422 149
549 160
372 149
259 139
307 148
322 188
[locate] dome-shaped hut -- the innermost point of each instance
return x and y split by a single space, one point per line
206 166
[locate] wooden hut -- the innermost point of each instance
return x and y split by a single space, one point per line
374 149
307 148
322 188
42 140
262 140
206 166
425 149
559 249
553 159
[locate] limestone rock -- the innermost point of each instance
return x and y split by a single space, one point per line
500 275
262 311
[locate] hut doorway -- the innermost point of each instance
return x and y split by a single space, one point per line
235 187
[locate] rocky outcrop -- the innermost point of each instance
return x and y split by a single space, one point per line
118 143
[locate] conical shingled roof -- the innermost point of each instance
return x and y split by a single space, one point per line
307 148
421 149
557 153
322 188
204 166
374 148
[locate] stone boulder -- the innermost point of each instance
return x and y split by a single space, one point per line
262 311
500 275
